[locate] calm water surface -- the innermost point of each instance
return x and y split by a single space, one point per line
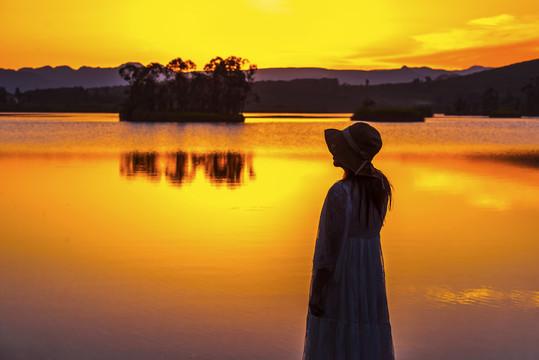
195 241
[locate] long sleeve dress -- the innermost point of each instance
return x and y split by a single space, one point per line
355 323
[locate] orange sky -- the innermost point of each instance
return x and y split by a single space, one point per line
342 34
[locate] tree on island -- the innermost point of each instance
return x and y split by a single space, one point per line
229 84
147 87
176 92
180 70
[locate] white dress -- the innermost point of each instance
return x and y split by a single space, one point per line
355 323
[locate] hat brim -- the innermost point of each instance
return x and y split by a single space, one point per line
343 154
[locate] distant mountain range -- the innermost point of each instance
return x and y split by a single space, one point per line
508 90
48 77
360 77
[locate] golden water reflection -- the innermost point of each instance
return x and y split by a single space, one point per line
486 296
144 269
230 168
479 181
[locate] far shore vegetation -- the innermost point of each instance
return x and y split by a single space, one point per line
370 112
224 88
176 92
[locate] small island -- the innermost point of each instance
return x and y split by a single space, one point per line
369 112
505 113
178 93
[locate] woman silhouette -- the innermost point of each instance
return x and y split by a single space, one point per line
348 315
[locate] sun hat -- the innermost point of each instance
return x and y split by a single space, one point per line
355 147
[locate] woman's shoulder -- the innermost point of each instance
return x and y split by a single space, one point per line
340 189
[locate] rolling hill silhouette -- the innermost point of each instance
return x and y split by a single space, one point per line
48 77
512 90
512 86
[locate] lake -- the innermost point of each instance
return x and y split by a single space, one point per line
195 241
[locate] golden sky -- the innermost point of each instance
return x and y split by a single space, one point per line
339 34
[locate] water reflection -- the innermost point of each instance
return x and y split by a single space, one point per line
230 168
202 272
484 296
134 164
479 179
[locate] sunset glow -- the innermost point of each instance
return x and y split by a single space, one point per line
271 33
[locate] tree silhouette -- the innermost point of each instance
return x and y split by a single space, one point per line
489 100
3 95
531 91
181 82
18 94
230 85
176 88
367 103
144 92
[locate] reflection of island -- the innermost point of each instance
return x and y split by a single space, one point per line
181 167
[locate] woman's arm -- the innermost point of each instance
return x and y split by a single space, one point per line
328 243
316 304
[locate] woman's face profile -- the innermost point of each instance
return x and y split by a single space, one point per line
336 163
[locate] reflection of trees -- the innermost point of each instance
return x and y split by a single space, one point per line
221 167
176 168
135 163
180 167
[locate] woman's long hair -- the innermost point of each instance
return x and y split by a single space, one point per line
376 191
